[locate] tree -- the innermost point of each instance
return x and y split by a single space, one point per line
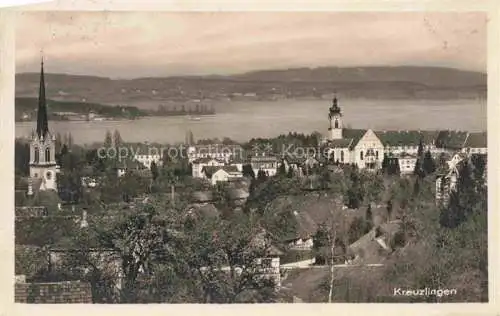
117 139
154 171
261 176
354 194
282 169
369 215
429 165
108 140
385 163
247 171
419 169
389 208
22 158
462 199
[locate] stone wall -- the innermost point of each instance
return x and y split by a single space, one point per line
53 293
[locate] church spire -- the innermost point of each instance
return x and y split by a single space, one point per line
42 125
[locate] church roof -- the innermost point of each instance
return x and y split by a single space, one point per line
476 140
355 135
42 125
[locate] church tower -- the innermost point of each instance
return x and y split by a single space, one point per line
42 145
335 117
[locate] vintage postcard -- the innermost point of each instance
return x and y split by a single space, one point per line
222 157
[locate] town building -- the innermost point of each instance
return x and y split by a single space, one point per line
148 159
221 173
475 143
198 165
42 165
218 151
265 162
366 148
407 163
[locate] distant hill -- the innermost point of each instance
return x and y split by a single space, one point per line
403 82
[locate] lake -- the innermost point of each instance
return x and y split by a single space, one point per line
246 119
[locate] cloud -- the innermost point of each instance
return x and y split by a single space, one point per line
128 44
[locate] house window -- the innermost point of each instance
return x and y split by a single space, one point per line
336 124
333 156
342 156
267 263
361 155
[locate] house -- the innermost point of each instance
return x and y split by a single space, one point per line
221 173
265 162
475 143
446 182
450 141
218 151
128 165
148 158
300 243
200 163
373 247
406 163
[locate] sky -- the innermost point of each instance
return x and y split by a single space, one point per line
142 44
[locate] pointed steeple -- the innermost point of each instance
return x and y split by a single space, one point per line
42 125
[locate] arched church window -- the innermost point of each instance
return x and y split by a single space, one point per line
361 155
376 154
37 155
342 156
333 156
47 154
336 124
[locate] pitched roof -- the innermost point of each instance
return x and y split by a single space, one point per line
210 170
340 143
476 140
354 134
207 159
451 139
406 138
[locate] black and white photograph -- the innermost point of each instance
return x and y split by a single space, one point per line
251 157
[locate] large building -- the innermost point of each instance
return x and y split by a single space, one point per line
42 165
366 148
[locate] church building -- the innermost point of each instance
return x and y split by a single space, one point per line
366 148
42 165
347 146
